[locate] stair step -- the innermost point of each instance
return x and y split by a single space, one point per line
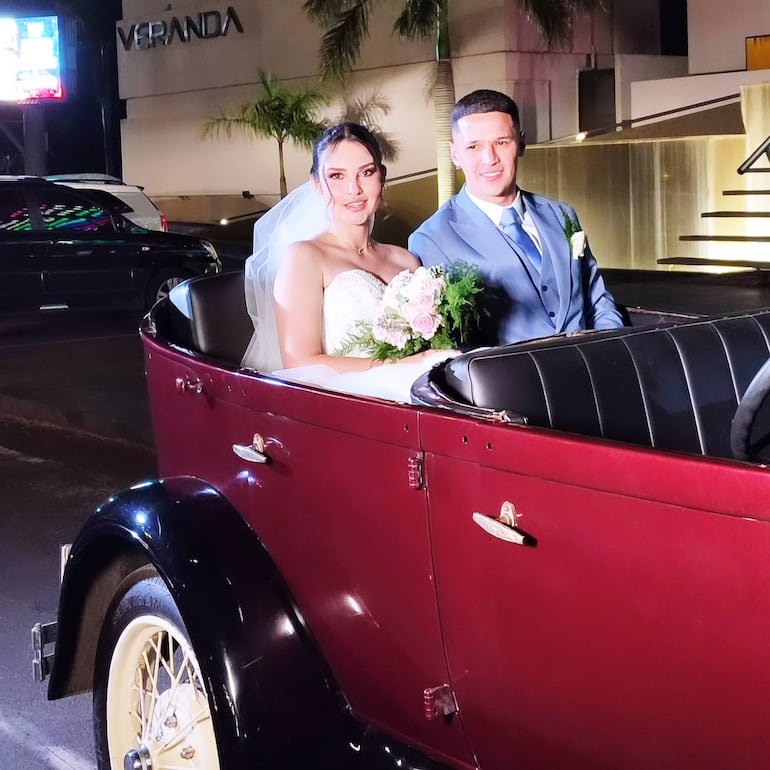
701 261
745 192
735 214
727 238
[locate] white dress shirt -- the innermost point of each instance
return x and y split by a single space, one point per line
495 211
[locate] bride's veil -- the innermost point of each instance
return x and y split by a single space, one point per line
300 216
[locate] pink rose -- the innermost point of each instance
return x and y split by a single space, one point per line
425 324
425 302
397 337
390 334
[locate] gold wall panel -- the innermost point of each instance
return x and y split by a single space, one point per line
635 199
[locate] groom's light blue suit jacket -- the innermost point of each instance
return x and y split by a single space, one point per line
567 295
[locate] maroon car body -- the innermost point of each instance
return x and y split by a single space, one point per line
471 588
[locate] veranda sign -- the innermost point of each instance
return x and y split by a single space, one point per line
206 25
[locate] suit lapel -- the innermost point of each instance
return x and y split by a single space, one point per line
474 227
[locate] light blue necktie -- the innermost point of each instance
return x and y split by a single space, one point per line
510 224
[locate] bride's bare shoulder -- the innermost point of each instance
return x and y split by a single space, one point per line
306 252
401 256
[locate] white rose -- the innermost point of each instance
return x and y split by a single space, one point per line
578 244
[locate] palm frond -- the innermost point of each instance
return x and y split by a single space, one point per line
280 112
556 18
390 147
268 82
365 110
228 123
584 6
419 19
325 12
342 41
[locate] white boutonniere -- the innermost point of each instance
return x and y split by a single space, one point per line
575 236
578 244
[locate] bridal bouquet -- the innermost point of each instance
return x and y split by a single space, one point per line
432 307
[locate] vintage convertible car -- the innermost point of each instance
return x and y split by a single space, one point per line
556 557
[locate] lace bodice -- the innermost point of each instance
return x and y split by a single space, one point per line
349 299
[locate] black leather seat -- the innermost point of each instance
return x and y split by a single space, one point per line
208 314
674 387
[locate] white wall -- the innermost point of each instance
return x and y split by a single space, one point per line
630 69
717 32
654 96
163 149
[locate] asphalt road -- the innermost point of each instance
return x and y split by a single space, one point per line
51 480
83 370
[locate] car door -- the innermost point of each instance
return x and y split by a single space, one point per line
622 622
23 250
341 509
89 261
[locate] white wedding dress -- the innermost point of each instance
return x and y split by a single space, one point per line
350 299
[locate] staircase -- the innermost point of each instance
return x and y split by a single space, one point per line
743 250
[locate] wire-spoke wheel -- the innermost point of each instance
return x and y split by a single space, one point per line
152 712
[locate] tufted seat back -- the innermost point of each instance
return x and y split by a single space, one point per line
673 387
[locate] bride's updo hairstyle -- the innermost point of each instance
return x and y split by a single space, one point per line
341 132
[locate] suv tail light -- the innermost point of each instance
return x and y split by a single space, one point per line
164 223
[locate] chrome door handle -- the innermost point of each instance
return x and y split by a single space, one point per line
187 385
504 526
254 452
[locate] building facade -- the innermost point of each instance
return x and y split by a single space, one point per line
184 62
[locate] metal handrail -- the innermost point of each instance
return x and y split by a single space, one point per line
763 149
632 122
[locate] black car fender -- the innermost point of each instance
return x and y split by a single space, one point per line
259 662
273 699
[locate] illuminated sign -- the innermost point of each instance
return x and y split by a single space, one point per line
206 25
30 62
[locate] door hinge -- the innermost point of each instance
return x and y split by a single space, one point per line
415 472
439 702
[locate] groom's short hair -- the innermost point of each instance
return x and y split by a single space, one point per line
485 100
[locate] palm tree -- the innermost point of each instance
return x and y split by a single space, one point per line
347 26
281 113
364 110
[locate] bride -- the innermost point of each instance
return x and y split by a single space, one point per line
316 274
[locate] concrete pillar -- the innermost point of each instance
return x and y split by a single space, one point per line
34 139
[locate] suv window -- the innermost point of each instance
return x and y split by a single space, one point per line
14 214
65 212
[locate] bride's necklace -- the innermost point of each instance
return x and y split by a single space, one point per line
358 249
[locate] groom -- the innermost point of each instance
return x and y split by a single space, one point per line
541 277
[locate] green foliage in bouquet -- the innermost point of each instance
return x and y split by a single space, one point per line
431 307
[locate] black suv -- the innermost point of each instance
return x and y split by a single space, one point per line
61 247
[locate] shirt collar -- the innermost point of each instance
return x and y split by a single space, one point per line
495 211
